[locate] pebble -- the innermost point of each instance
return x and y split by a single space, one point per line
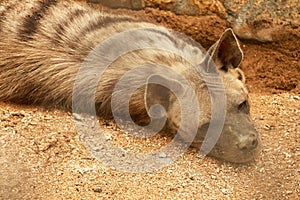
17 114
77 117
108 137
289 192
296 97
224 191
98 190
59 173
162 155
267 127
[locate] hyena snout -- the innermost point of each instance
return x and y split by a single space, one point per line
249 142
239 141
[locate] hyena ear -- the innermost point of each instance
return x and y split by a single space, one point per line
226 52
158 91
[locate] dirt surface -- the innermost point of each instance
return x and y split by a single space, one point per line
42 157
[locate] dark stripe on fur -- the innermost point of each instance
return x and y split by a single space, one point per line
104 22
61 28
31 22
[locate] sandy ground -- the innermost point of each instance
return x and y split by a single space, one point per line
42 157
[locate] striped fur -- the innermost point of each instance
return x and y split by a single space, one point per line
45 38
44 42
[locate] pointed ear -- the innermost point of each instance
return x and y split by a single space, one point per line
226 52
158 91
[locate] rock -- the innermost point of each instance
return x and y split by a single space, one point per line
224 191
263 20
132 4
289 192
162 155
296 97
182 7
77 117
17 114
260 20
97 190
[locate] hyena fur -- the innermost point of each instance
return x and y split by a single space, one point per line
43 44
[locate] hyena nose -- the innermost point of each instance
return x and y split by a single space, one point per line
248 143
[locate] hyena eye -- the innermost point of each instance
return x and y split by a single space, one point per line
244 107
224 68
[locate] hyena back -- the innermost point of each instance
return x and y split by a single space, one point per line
56 34
43 44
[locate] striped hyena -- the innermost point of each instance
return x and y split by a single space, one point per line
44 43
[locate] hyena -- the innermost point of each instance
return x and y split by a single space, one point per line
42 46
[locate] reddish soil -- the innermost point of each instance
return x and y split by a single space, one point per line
41 156
269 67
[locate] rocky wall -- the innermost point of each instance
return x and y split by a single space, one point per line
261 20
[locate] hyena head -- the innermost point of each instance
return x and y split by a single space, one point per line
239 141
